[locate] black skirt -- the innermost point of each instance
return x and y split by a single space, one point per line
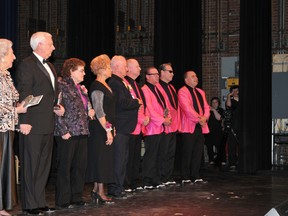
8 196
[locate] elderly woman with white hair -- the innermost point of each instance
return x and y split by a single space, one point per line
8 120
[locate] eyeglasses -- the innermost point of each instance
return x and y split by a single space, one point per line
170 71
153 74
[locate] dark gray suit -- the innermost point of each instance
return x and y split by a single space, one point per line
125 123
36 147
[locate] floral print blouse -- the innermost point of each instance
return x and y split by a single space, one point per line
8 98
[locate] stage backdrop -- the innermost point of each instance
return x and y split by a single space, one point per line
255 85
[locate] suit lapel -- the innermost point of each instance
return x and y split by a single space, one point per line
43 69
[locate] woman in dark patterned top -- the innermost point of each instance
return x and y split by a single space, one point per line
71 135
8 120
100 148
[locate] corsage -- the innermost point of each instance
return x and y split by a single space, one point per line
108 126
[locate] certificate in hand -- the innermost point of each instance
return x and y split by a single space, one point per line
32 101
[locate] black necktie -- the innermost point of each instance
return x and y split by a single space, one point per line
173 96
197 106
160 97
45 61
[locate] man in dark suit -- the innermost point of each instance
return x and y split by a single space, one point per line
126 119
134 159
36 76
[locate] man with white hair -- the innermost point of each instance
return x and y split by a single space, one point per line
36 76
126 120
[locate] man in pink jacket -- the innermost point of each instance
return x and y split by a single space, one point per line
168 147
194 112
154 131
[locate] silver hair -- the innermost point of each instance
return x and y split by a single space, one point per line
38 37
5 45
116 60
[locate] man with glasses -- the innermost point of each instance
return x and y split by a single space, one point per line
168 146
154 131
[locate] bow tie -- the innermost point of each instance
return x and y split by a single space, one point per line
45 61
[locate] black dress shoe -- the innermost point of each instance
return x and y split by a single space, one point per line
199 181
118 196
65 206
33 212
46 209
79 204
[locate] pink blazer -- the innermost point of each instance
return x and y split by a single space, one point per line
189 117
141 112
141 117
156 112
175 115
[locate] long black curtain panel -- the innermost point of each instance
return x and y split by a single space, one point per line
8 17
255 86
178 37
91 31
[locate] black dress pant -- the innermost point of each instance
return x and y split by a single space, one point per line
71 169
151 159
134 160
35 159
121 152
167 156
192 151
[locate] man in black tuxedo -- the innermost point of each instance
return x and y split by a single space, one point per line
36 76
126 119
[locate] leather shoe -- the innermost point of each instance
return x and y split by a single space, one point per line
65 206
79 204
200 180
46 209
35 211
118 196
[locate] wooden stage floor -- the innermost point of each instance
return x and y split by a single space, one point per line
225 194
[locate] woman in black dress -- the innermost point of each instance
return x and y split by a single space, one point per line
100 148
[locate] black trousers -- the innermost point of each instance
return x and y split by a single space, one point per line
71 169
35 159
192 151
121 152
214 138
134 160
151 159
167 150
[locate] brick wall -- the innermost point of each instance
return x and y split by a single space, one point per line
51 18
221 25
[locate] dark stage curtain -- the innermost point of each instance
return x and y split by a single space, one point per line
8 17
91 31
178 37
178 40
255 86
8 26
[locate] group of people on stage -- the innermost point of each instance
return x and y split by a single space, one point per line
98 131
